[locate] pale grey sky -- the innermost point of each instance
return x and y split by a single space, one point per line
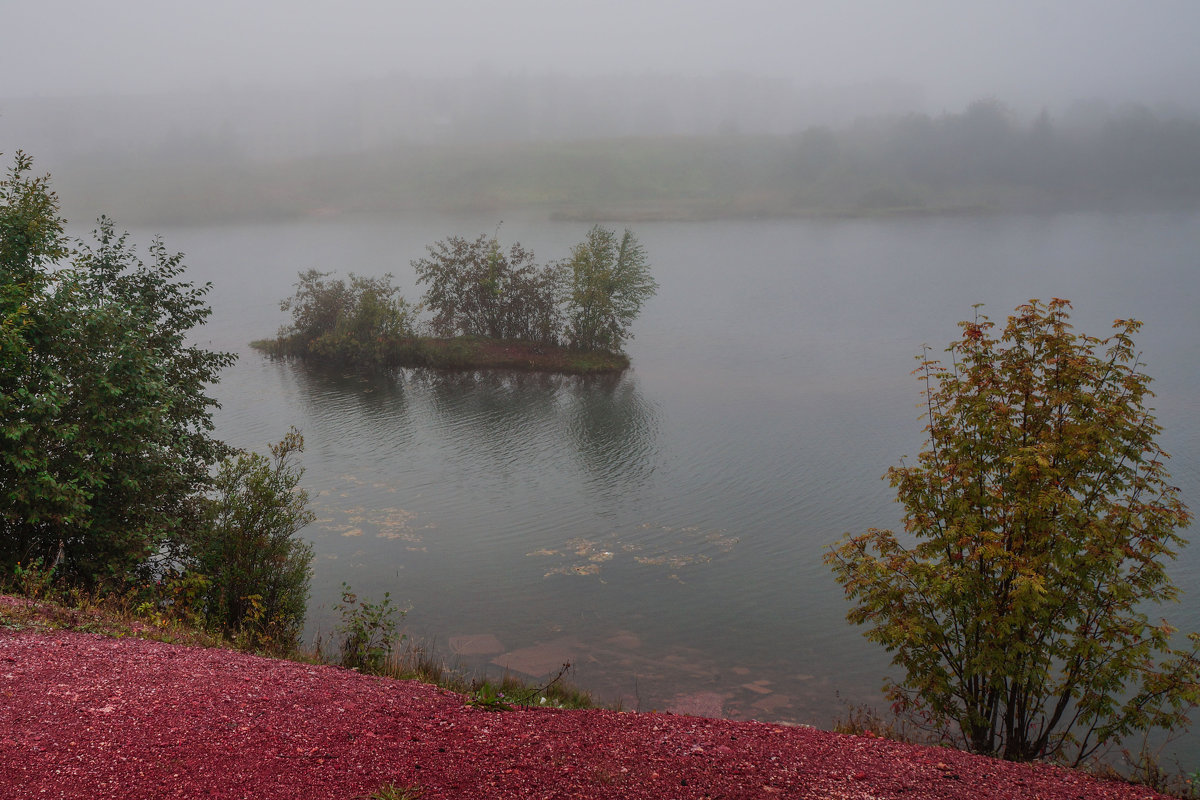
1025 52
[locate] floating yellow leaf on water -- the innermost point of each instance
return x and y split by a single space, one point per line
353 532
672 561
582 546
576 569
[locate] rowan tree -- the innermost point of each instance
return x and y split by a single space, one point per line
1040 519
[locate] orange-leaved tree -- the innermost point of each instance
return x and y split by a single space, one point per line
1039 519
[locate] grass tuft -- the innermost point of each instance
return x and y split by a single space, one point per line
390 791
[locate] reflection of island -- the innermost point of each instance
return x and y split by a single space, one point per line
615 431
602 420
487 421
365 413
492 411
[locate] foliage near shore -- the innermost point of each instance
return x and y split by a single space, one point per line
110 478
1044 519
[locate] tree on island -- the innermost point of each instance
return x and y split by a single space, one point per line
475 288
361 321
491 307
1042 518
610 281
588 301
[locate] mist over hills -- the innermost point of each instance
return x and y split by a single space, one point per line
354 116
612 148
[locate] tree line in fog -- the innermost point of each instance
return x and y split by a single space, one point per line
983 158
1082 160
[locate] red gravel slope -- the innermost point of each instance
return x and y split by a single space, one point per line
83 716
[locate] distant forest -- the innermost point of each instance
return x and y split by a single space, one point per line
737 160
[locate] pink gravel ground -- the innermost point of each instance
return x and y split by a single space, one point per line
84 716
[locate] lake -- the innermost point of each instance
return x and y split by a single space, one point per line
664 530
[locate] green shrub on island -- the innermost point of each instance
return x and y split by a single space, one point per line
478 289
491 308
610 281
362 320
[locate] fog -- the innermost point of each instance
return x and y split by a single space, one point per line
112 98
771 387
1029 52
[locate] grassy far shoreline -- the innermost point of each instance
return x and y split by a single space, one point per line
978 161
468 353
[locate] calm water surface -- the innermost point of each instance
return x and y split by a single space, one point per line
664 530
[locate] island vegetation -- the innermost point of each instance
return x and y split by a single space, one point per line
491 308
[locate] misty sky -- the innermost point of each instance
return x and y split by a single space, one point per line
1025 52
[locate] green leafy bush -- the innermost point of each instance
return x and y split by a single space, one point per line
589 301
106 457
368 632
256 569
478 289
105 416
362 321
610 281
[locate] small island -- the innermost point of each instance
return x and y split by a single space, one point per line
468 353
492 309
